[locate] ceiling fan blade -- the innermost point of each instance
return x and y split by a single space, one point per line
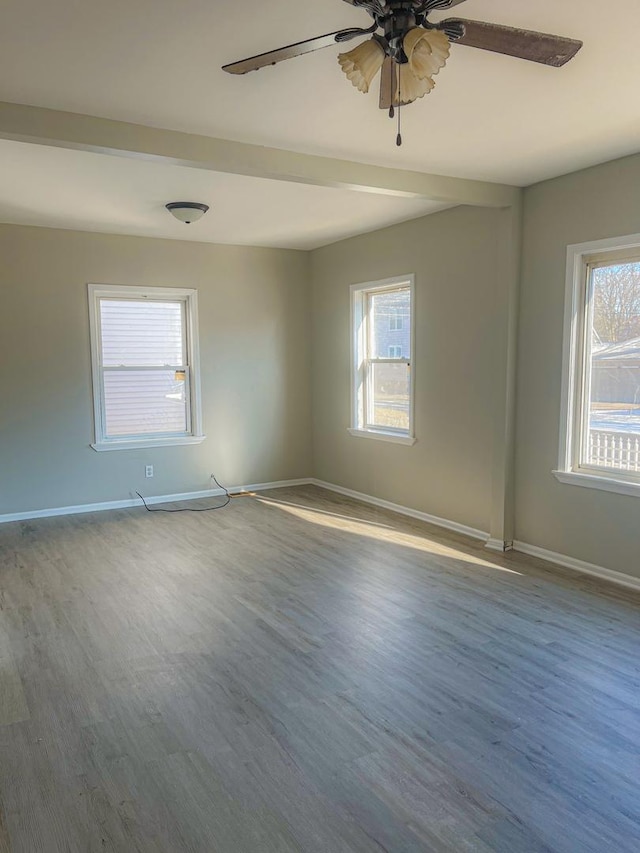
524 44
387 83
374 7
271 57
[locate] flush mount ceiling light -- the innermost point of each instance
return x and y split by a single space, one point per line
187 211
410 49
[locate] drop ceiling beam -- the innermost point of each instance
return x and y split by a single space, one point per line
53 128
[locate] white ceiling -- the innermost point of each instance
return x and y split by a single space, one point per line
92 192
490 117
157 62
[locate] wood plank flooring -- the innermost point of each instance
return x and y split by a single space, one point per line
301 672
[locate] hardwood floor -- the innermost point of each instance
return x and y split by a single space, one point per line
300 672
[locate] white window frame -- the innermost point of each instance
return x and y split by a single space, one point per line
394 347
575 372
189 297
359 362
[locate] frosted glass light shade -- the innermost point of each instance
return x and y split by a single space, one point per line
409 87
187 211
362 63
426 50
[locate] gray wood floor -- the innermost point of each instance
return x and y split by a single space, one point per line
300 672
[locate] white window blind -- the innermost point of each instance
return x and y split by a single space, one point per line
142 333
143 367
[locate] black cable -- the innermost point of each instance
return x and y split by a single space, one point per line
192 509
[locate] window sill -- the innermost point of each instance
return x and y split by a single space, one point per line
101 446
604 482
379 435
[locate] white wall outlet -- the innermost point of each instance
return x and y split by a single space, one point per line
148 471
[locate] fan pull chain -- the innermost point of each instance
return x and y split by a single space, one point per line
399 136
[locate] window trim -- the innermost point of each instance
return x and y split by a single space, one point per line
194 406
358 296
580 257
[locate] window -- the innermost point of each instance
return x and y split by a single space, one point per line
382 375
600 439
395 322
145 366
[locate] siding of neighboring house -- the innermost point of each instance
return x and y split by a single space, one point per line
392 328
615 374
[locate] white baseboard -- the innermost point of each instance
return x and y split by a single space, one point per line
581 566
493 544
553 557
276 484
498 545
403 510
153 499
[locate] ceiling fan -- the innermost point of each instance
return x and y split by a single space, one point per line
409 49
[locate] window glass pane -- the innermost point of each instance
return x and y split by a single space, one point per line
142 332
613 431
389 323
144 401
389 396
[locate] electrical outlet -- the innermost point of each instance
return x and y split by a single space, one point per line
148 471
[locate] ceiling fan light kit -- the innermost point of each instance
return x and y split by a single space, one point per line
362 63
409 50
426 51
408 88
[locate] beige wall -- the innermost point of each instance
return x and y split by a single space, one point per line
595 526
448 472
261 312
254 314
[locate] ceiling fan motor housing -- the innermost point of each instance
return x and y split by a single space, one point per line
396 23
397 17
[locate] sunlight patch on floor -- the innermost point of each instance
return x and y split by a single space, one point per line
374 530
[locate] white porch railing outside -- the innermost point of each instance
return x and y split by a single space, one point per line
614 449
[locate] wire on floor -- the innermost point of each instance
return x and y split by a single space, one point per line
192 509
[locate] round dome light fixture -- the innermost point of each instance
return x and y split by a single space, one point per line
187 211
